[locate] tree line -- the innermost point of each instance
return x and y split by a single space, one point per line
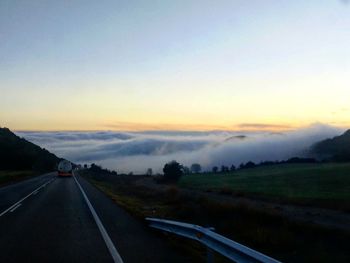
173 170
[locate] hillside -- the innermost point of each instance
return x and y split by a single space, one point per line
18 154
336 149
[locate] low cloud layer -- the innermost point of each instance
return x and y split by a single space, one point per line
137 151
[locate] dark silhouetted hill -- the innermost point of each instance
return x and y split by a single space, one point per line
335 149
18 154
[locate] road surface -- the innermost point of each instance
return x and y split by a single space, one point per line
53 219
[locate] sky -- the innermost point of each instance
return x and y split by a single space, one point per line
174 65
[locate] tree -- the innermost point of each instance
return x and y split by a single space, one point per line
95 168
232 168
224 169
250 164
215 169
186 170
172 171
149 172
196 168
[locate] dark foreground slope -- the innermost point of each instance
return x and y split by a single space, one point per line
18 154
335 149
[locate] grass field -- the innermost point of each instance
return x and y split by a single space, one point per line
300 182
11 176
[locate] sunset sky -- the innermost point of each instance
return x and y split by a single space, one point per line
174 65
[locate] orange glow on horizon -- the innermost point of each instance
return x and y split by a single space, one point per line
139 127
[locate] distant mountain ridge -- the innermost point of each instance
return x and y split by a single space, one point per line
18 154
335 149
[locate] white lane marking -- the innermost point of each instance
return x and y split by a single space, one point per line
13 209
34 193
36 178
112 250
24 198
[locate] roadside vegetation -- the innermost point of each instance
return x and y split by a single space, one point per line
262 229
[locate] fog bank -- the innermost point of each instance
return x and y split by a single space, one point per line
137 151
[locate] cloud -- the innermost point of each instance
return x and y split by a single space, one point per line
133 126
137 151
264 126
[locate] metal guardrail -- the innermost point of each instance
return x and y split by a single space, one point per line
227 247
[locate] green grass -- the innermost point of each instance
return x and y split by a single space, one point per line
328 182
11 176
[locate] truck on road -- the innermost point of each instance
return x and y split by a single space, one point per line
64 168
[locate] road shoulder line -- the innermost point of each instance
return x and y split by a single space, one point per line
13 209
112 250
24 198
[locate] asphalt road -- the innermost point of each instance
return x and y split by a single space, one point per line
48 219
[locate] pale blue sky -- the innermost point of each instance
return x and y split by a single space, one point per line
129 63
